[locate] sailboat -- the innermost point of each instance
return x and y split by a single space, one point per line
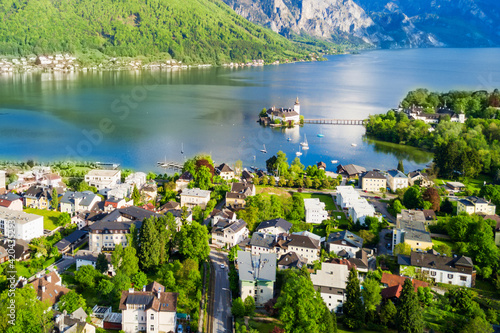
289 139
182 148
320 134
264 150
304 144
299 153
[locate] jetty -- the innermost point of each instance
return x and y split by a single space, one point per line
336 121
170 165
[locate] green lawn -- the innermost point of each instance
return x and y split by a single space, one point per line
472 184
49 217
327 199
343 329
437 242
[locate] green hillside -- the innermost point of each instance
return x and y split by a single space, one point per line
193 31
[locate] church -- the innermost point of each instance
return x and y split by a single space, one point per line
285 115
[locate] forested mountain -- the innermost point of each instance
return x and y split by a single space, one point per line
194 31
382 23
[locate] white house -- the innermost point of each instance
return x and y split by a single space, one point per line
307 247
346 195
120 191
456 270
360 210
475 205
20 225
84 258
410 229
76 202
262 243
396 180
257 274
137 178
195 197
149 310
11 201
183 181
229 233
373 181
103 179
225 172
315 210
344 241
331 281
274 227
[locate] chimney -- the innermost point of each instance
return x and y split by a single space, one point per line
43 289
49 278
144 288
159 292
131 290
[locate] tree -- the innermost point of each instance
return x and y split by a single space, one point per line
397 206
86 276
102 263
477 325
116 256
203 178
402 248
388 313
371 296
71 302
425 295
409 315
482 246
63 219
413 198
353 307
249 306
401 166
149 245
192 241
121 282
105 287
136 196
139 280
55 199
432 195
129 264
238 308
233 253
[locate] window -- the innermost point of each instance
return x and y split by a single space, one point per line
433 273
261 291
450 276
463 278
152 316
152 328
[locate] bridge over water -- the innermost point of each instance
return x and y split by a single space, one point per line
336 121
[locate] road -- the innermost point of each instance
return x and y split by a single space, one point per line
382 245
220 320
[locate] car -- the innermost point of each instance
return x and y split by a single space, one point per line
378 198
388 245
222 266
179 328
384 216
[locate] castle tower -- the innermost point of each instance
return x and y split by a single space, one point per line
296 106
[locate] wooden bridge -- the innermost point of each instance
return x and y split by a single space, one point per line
336 121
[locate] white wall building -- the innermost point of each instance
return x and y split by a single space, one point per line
120 191
475 205
195 197
346 196
315 210
331 281
397 180
360 210
137 178
344 241
229 233
2 181
103 179
20 225
77 202
257 275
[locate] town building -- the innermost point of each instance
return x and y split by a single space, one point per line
321 166
72 241
344 241
77 202
350 170
238 194
20 225
225 172
195 197
419 178
291 260
48 288
149 310
315 211
75 322
456 270
475 205
410 229
246 176
285 115
11 201
137 179
358 208
85 257
331 282
103 180
419 113
119 191
183 181
229 233
346 196
307 247
149 191
21 248
38 197
373 181
455 187
396 180
393 285
261 243
275 227
2 181
257 274
112 204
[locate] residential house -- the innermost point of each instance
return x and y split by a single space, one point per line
344 241
410 229
262 243
238 194
72 241
11 201
149 191
456 270
75 322
307 247
475 205
85 257
21 248
195 197
373 181
358 208
103 180
183 181
225 172
38 197
419 178
315 211
350 170
291 260
229 233
20 225
430 216
396 180
496 220
346 196
2 182
119 191
274 227
393 285
112 204
331 282
257 274
246 176
455 187
52 180
137 179
321 166
77 202
149 310
170 205
48 287
177 213
418 113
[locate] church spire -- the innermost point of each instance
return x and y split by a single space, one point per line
297 101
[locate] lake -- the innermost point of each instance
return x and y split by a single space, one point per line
139 118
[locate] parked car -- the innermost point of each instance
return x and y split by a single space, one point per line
179 329
222 266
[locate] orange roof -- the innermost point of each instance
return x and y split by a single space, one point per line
392 280
52 291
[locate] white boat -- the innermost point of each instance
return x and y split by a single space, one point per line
335 161
354 144
182 148
264 150
304 144
299 153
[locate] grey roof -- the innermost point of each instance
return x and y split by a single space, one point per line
110 225
256 267
195 192
232 226
373 175
131 213
455 184
187 176
459 264
396 174
276 223
139 299
404 260
351 169
70 239
37 192
413 224
308 234
303 241
477 200
86 197
291 259
10 196
262 240
466 202
347 236
224 168
17 216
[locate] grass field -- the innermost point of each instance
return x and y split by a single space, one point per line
268 190
327 199
49 217
472 184
441 242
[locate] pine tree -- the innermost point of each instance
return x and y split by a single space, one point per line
149 245
136 196
387 313
409 316
353 308
101 263
55 200
401 167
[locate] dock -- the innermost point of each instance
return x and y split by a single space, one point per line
170 165
336 121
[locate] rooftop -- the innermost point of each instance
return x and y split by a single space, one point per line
275 223
396 174
412 222
347 236
373 175
103 173
196 192
17 216
256 267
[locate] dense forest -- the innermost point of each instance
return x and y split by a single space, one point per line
192 31
460 150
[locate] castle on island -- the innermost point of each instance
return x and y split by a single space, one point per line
285 115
